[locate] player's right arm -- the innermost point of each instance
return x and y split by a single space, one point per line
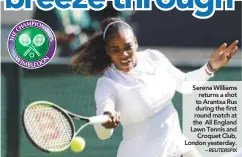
105 105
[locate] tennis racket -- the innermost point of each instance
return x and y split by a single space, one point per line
51 127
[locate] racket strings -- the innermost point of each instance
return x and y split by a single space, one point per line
24 40
39 40
48 127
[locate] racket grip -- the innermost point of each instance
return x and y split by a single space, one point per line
99 119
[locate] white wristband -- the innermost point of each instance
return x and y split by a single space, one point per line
209 72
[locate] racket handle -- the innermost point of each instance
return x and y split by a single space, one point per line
99 119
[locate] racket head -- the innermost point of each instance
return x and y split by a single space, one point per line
25 40
39 40
48 126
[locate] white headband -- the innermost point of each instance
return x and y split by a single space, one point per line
104 33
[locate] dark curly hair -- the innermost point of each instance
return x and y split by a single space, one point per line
91 58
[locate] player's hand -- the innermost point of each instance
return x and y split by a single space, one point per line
222 56
114 120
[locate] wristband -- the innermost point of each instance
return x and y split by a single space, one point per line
208 71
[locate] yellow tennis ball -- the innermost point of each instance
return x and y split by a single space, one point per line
78 144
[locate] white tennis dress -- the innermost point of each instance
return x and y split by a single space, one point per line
143 98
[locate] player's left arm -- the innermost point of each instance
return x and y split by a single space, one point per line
218 59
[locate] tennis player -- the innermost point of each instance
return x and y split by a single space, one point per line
136 89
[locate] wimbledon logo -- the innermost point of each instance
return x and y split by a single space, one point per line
31 44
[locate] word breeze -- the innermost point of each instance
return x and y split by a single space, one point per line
202 9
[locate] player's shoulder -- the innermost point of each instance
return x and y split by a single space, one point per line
152 54
106 80
104 84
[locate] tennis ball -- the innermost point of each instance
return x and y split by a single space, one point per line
78 144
